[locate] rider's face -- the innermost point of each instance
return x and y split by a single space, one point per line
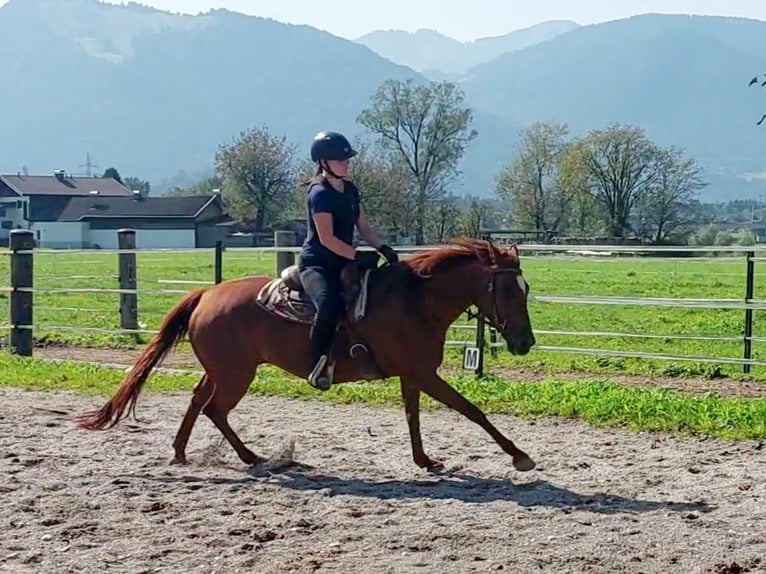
338 167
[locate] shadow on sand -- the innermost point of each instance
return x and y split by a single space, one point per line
459 486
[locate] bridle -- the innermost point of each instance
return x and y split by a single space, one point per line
494 271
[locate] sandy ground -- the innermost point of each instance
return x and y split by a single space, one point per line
342 495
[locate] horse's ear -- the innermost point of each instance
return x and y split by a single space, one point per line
513 252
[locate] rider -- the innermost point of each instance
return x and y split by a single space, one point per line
333 210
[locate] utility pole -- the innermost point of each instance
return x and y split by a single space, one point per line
88 165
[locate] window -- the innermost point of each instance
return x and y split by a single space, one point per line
6 225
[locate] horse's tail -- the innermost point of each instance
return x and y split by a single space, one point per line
173 328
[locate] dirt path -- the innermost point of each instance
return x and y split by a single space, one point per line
187 361
599 501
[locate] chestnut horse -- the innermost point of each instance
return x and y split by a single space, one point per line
411 305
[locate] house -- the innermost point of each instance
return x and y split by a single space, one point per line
82 212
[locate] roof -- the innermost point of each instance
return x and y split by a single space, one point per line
90 208
64 185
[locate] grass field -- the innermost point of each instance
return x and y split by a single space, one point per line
722 278
599 402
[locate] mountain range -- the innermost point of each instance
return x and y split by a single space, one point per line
154 94
441 57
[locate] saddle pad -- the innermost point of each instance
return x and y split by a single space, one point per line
293 306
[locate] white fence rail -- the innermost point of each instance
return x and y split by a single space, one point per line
21 326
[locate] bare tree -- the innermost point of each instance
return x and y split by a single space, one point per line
532 182
762 81
428 125
667 204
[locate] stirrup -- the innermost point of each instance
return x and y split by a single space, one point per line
318 378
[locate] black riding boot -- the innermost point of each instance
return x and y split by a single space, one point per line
322 332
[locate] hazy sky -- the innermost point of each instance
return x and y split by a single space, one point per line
461 20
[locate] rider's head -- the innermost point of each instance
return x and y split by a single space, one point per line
331 152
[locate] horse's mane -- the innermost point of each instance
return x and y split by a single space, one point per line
411 274
425 263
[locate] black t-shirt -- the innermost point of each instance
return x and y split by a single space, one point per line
322 197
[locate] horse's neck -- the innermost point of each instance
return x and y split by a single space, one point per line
449 293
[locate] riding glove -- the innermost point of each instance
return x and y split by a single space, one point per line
389 254
367 259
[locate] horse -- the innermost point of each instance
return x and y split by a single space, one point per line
401 333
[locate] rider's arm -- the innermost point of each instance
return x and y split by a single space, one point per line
367 232
323 222
322 205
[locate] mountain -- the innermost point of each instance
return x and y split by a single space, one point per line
441 57
681 78
155 93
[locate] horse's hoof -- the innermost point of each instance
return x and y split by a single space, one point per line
430 464
178 461
523 464
253 460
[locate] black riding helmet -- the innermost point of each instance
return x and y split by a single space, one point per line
331 146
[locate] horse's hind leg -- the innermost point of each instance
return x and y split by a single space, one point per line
218 408
202 392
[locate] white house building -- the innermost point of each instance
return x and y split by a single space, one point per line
83 212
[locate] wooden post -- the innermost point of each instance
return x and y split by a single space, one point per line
22 266
218 261
284 258
126 239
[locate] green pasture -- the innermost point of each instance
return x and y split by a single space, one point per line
598 402
59 317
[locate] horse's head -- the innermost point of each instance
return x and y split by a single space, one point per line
492 280
503 298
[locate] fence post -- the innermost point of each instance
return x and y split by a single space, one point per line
218 261
126 239
284 258
480 343
21 302
749 293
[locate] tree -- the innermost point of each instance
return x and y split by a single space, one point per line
532 182
667 203
139 184
443 220
258 172
113 173
762 80
428 125
384 182
473 219
204 186
616 166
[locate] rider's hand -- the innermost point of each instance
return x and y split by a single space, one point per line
390 255
367 259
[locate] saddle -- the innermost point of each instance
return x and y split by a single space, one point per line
286 298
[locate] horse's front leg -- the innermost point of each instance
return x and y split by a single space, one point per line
411 398
440 390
